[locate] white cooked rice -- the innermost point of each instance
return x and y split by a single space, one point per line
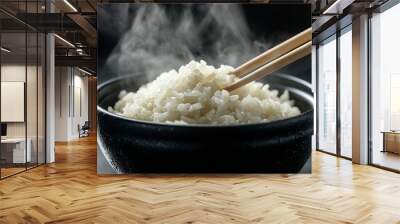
193 95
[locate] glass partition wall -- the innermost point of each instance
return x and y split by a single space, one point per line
335 108
345 91
13 122
334 83
326 59
385 89
22 99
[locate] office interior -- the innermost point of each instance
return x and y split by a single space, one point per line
45 98
48 127
334 62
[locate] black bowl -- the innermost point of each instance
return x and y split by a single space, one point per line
133 146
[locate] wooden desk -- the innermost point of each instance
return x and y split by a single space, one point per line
391 141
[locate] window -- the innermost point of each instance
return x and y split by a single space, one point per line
385 89
327 95
334 106
346 92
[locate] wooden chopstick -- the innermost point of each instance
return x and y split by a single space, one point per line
274 53
273 66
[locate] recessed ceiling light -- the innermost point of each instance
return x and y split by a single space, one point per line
70 5
5 50
65 41
337 7
84 71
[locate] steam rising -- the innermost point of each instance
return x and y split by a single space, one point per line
162 38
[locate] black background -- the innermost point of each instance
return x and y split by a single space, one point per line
274 23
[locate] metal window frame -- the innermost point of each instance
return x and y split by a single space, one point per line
339 32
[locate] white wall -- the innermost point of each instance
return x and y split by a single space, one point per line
17 72
70 83
14 72
33 126
62 81
80 88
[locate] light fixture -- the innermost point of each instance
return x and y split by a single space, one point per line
70 5
328 10
65 41
84 71
80 51
337 7
5 50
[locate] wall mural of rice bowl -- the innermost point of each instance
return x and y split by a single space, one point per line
204 88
